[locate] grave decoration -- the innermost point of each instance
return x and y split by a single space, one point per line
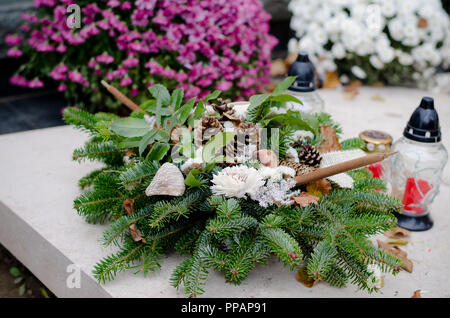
226 184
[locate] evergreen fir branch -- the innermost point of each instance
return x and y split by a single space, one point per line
195 277
356 270
164 211
186 243
107 268
88 179
106 152
222 227
369 184
138 173
273 221
336 276
387 262
360 174
229 209
363 198
352 143
282 244
80 119
325 119
179 273
243 257
117 228
321 260
98 206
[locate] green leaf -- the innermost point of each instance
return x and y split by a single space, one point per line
14 271
18 280
130 143
286 98
184 111
213 95
130 127
191 180
147 139
148 104
158 151
284 85
160 93
215 144
257 100
177 98
22 289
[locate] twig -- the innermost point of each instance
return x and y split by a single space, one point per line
125 100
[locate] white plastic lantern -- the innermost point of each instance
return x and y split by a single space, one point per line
414 173
304 87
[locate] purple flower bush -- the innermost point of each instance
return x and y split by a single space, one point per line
197 45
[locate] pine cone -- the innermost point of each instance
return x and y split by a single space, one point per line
209 127
246 139
310 156
299 168
221 106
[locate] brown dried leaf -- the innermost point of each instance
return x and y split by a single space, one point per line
331 141
397 232
305 199
331 80
398 242
278 68
378 84
136 234
128 205
319 188
303 277
351 95
129 153
407 264
416 294
377 97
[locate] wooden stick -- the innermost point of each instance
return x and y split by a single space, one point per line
342 167
125 100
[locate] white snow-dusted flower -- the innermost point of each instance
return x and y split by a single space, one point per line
292 155
405 59
277 173
240 109
193 163
338 51
237 181
302 135
278 193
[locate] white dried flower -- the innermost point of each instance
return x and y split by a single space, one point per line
302 135
292 155
278 193
193 163
240 109
237 182
277 173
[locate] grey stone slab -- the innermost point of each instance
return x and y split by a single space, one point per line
39 225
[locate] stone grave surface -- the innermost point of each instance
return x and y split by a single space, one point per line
40 227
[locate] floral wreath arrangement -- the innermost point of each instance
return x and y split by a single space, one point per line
219 182
392 41
196 45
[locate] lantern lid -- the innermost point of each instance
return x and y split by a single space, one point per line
423 126
304 70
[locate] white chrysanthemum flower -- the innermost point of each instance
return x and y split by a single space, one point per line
237 182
